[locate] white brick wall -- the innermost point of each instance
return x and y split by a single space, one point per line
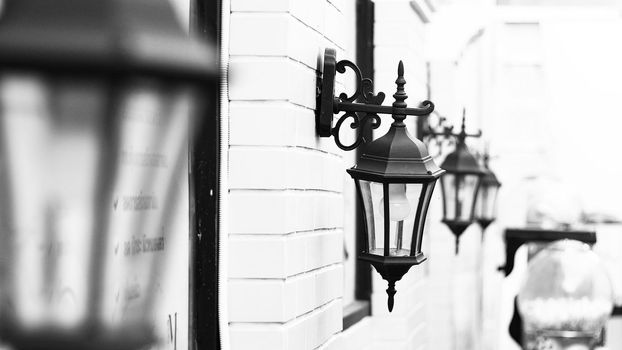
286 199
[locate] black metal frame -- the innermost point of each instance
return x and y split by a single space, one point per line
488 181
204 331
393 158
459 163
362 114
516 237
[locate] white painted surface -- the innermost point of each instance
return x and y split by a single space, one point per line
287 223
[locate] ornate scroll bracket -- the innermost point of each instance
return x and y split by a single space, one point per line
444 132
363 113
437 136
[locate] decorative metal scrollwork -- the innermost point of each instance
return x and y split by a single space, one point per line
437 136
443 134
364 91
364 113
341 68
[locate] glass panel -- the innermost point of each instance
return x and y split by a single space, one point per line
467 187
365 189
403 202
406 198
421 215
149 226
448 188
458 195
486 200
481 203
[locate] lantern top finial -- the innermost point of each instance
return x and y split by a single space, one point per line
486 159
463 133
400 96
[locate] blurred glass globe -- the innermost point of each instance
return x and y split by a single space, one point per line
567 294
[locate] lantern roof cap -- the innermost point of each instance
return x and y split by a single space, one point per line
461 161
489 178
102 36
396 156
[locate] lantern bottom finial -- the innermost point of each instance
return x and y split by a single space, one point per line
457 228
391 274
391 293
484 223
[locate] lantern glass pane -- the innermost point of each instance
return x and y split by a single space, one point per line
485 208
368 207
448 187
420 218
466 197
403 204
50 149
459 192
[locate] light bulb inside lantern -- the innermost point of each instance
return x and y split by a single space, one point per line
399 207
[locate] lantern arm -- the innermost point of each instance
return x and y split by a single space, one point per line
515 238
437 135
423 111
446 132
364 114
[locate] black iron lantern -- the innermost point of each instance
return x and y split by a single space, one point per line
460 186
395 176
97 99
486 203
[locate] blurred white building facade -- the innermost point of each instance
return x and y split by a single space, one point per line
290 204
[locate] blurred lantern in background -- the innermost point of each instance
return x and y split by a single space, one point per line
566 299
486 203
460 185
96 100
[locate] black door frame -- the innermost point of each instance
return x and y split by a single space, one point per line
204 332
365 60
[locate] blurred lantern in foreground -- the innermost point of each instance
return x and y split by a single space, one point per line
96 98
566 299
486 203
460 186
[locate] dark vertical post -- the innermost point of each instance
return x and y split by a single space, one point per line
204 333
365 61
